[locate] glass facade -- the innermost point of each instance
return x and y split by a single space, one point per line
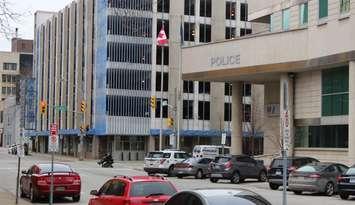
323 9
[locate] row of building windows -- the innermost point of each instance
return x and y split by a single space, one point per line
129 53
8 78
231 11
231 32
127 106
128 79
10 66
8 90
129 26
143 5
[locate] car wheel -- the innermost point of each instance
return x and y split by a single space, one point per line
76 198
199 174
170 171
235 178
33 196
297 192
344 196
273 186
213 180
262 176
329 189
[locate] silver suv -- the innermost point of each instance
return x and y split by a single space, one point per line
163 162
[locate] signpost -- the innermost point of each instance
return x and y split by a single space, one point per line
52 147
285 145
20 154
223 141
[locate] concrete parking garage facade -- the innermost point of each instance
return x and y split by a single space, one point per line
306 62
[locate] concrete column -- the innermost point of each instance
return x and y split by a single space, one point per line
286 104
95 147
352 112
151 144
237 132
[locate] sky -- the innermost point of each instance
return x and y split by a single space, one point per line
26 23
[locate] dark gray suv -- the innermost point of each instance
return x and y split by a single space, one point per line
237 168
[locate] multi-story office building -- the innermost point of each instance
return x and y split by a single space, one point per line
105 53
306 64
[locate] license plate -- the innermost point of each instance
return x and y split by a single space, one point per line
216 175
352 180
278 173
60 188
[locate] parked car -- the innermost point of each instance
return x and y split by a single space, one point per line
163 162
346 183
133 190
198 167
217 197
275 171
236 168
209 151
318 177
35 182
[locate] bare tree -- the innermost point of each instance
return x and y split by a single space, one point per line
7 18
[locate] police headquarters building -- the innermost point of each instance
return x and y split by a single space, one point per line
305 61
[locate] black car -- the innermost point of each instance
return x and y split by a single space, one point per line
346 183
217 197
275 171
236 168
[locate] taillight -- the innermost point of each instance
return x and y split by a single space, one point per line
41 181
77 181
314 176
340 178
228 165
162 161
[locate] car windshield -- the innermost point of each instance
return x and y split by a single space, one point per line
190 160
279 163
140 189
351 171
197 149
312 168
155 155
46 168
222 159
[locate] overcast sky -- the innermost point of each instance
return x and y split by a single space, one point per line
28 8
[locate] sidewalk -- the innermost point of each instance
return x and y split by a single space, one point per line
7 198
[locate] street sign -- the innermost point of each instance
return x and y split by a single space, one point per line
223 140
20 150
53 142
172 140
286 129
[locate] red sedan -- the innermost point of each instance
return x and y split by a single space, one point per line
35 182
125 190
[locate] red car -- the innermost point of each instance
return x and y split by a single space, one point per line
35 182
123 190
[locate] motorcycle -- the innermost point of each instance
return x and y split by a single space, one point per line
106 161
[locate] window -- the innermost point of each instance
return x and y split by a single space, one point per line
243 12
127 106
165 82
116 188
189 32
205 33
230 10
143 189
1 116
105 187
228 89
272 22
190 7
129 26
205 8
166 26
246 113
204 87
13 90
129 53
344 6
335 92
325 136
128 79
323 9
10 66
3 90
145 5
9 90
204 110
304 14
165 109
188 86
4 78
166 55
245 31
230 32
247 89
286 19
188 109
227 112
164 6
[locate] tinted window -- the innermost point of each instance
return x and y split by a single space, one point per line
155 155
279 162
330 169
148 188
222 159
205 161
351 171
116 188
342 168
46 168
184 198
312 168
190 160
180 155
166 155
105 187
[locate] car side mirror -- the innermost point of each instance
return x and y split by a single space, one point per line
24 171
94 192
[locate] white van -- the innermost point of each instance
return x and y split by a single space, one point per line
209 151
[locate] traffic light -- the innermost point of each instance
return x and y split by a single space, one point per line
43 107
170 122
82 106
153 102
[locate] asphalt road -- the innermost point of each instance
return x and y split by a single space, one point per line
93 177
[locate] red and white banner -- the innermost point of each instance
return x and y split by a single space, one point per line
162 39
